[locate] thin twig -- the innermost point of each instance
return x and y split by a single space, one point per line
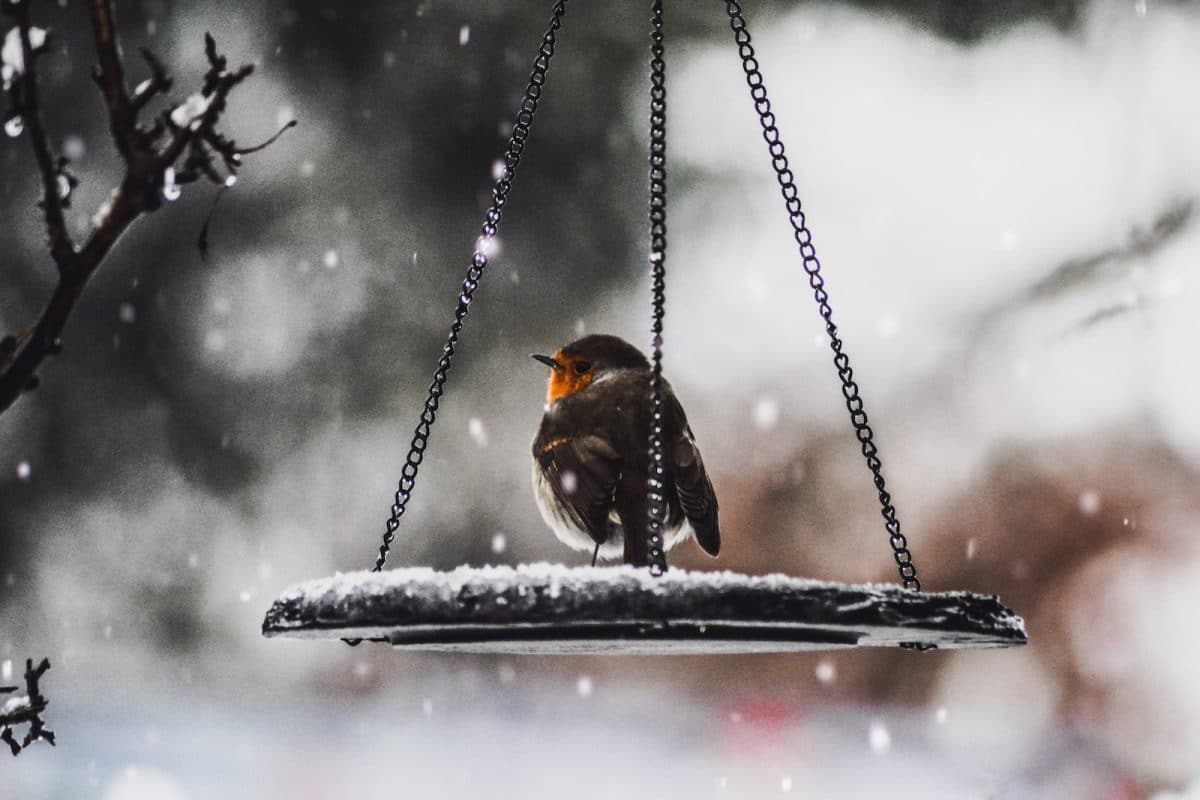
28 712
30 109
222 84
110 76
158 83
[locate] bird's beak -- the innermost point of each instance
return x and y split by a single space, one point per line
547 360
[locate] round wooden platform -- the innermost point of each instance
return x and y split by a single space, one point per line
544 608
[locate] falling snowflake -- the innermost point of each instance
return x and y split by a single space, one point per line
477 432
584 686
766 413
879 738
74 148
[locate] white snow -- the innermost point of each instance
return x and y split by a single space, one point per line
346 585
171 190
14 704
12 57
190 110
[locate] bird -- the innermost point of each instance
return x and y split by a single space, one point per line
591 455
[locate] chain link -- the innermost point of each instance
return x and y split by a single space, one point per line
812 266
479 261
657 506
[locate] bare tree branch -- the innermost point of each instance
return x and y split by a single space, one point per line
158 83
152 170
26 710
110 75
29 109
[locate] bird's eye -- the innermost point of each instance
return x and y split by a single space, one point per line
581 367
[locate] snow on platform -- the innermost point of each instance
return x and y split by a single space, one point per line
547 608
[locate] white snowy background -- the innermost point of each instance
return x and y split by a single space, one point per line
1005 208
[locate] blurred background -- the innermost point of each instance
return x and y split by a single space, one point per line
1003 196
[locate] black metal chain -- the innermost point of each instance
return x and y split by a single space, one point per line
657 507
812 266
479 261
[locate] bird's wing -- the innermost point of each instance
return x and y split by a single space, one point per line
583 471
696 495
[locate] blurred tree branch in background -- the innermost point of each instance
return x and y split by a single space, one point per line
26 709
180 145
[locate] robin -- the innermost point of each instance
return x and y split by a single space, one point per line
591 455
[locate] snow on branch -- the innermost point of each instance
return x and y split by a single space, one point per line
179 145
25 710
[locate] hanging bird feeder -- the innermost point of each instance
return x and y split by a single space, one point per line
543 608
